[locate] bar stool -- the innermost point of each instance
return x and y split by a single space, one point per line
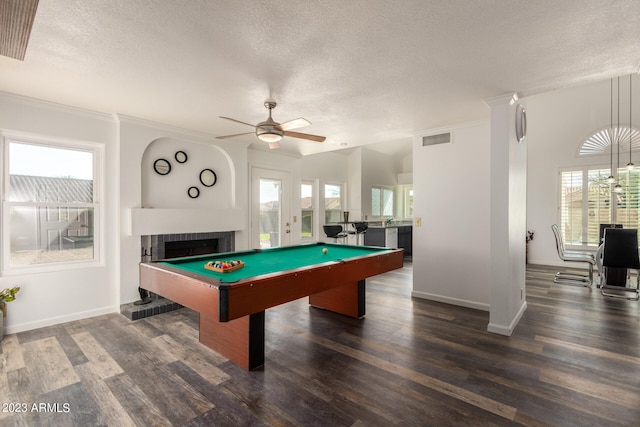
360 229
334 232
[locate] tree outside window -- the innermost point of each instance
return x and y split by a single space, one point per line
307 203
381 201
332 203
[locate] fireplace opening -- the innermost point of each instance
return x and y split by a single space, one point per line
165 246
186 248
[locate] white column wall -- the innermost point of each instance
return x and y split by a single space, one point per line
508 218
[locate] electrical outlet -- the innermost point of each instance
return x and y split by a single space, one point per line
418 222
295 218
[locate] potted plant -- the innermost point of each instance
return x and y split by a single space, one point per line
529 238
6 296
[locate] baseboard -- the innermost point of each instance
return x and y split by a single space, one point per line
453 301
42 323
507 330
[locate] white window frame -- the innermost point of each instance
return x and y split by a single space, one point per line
585 204
382 189
313 210
342 200
98 158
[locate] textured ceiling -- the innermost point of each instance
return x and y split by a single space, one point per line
362 71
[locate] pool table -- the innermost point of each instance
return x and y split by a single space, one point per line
232 304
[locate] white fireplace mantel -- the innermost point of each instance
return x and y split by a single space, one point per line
150 221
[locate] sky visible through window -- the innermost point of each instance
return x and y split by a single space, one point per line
37 160
269 190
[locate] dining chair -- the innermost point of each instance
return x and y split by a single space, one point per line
620 253
573 256
600 250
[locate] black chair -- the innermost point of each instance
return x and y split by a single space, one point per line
334 232
573 256
620 252
360 229
599 266
603 227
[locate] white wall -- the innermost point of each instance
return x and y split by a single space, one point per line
171 190
377 169
356 168
136 137
69 294
407 164
451 250
558 123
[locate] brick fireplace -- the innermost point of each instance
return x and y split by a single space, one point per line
165 246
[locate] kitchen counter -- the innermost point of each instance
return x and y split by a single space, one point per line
394 224
397 234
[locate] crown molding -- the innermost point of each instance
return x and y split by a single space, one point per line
53 106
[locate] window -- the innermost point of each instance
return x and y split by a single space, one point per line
50 208
332 202
584 207
381 201
307 203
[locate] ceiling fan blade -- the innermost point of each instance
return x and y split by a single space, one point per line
237 121
310 137
235 134
294 124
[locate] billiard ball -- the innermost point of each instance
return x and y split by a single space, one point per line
325 250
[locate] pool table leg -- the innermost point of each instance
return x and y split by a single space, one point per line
240 340
348 299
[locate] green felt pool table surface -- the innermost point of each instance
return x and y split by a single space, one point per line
272 260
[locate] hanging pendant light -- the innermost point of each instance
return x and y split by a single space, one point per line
611 179
618 188
630 165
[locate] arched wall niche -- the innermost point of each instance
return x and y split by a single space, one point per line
177 187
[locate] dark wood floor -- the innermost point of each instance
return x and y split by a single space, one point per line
574 359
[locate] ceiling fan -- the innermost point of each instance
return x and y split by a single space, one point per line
272 132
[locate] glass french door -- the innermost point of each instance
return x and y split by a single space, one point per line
270 213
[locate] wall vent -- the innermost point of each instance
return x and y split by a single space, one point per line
443 138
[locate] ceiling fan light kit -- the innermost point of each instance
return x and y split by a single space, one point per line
268 135
272 132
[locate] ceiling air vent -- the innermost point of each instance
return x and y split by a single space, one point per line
443 138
